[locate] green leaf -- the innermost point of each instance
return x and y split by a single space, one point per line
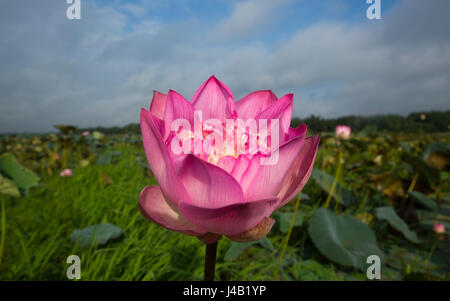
326 181
65 129
20 175
305 197
266 244
285 219
436 147
388 214
95 235
105 159
237 248
8 187
427 172
424 200
343 239
421 277
445 175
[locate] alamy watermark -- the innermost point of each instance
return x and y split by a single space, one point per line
74 270
374 270
214 139
74 10
374 10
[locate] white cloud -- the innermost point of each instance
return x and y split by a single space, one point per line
134 9
248 17
99 72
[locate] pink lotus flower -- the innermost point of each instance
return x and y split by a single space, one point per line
85 133
439 228
206 194
66 173
343 131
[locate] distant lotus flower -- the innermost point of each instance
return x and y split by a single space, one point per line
439 228
85 133
343 131
98 135
66 173
212 190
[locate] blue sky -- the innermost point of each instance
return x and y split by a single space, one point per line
102 69
288 18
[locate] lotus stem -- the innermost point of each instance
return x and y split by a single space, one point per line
286 239
210 261
341 181
3 225
433 248
413 182
411 187
244 277
336 177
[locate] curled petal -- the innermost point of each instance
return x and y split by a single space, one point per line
281 110
177 107
300 172
262 181
159 158
254 103
154 206
229 220
298 131
214 99
256 233
158 104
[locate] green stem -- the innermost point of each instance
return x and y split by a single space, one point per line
286 239
210 261
340 181
3 232
431 252
411 187
413 183
246 265
336 176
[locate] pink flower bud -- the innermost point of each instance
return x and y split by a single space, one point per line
439 228
343 131
66 173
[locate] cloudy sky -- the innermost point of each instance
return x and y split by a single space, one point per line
102 69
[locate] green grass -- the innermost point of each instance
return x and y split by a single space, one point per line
37 231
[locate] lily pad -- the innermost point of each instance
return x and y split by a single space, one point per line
105 159
424 200
343 239
326 182
94 235
388 214
427 172
22 177
237 248
285 219
8 187
436 147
